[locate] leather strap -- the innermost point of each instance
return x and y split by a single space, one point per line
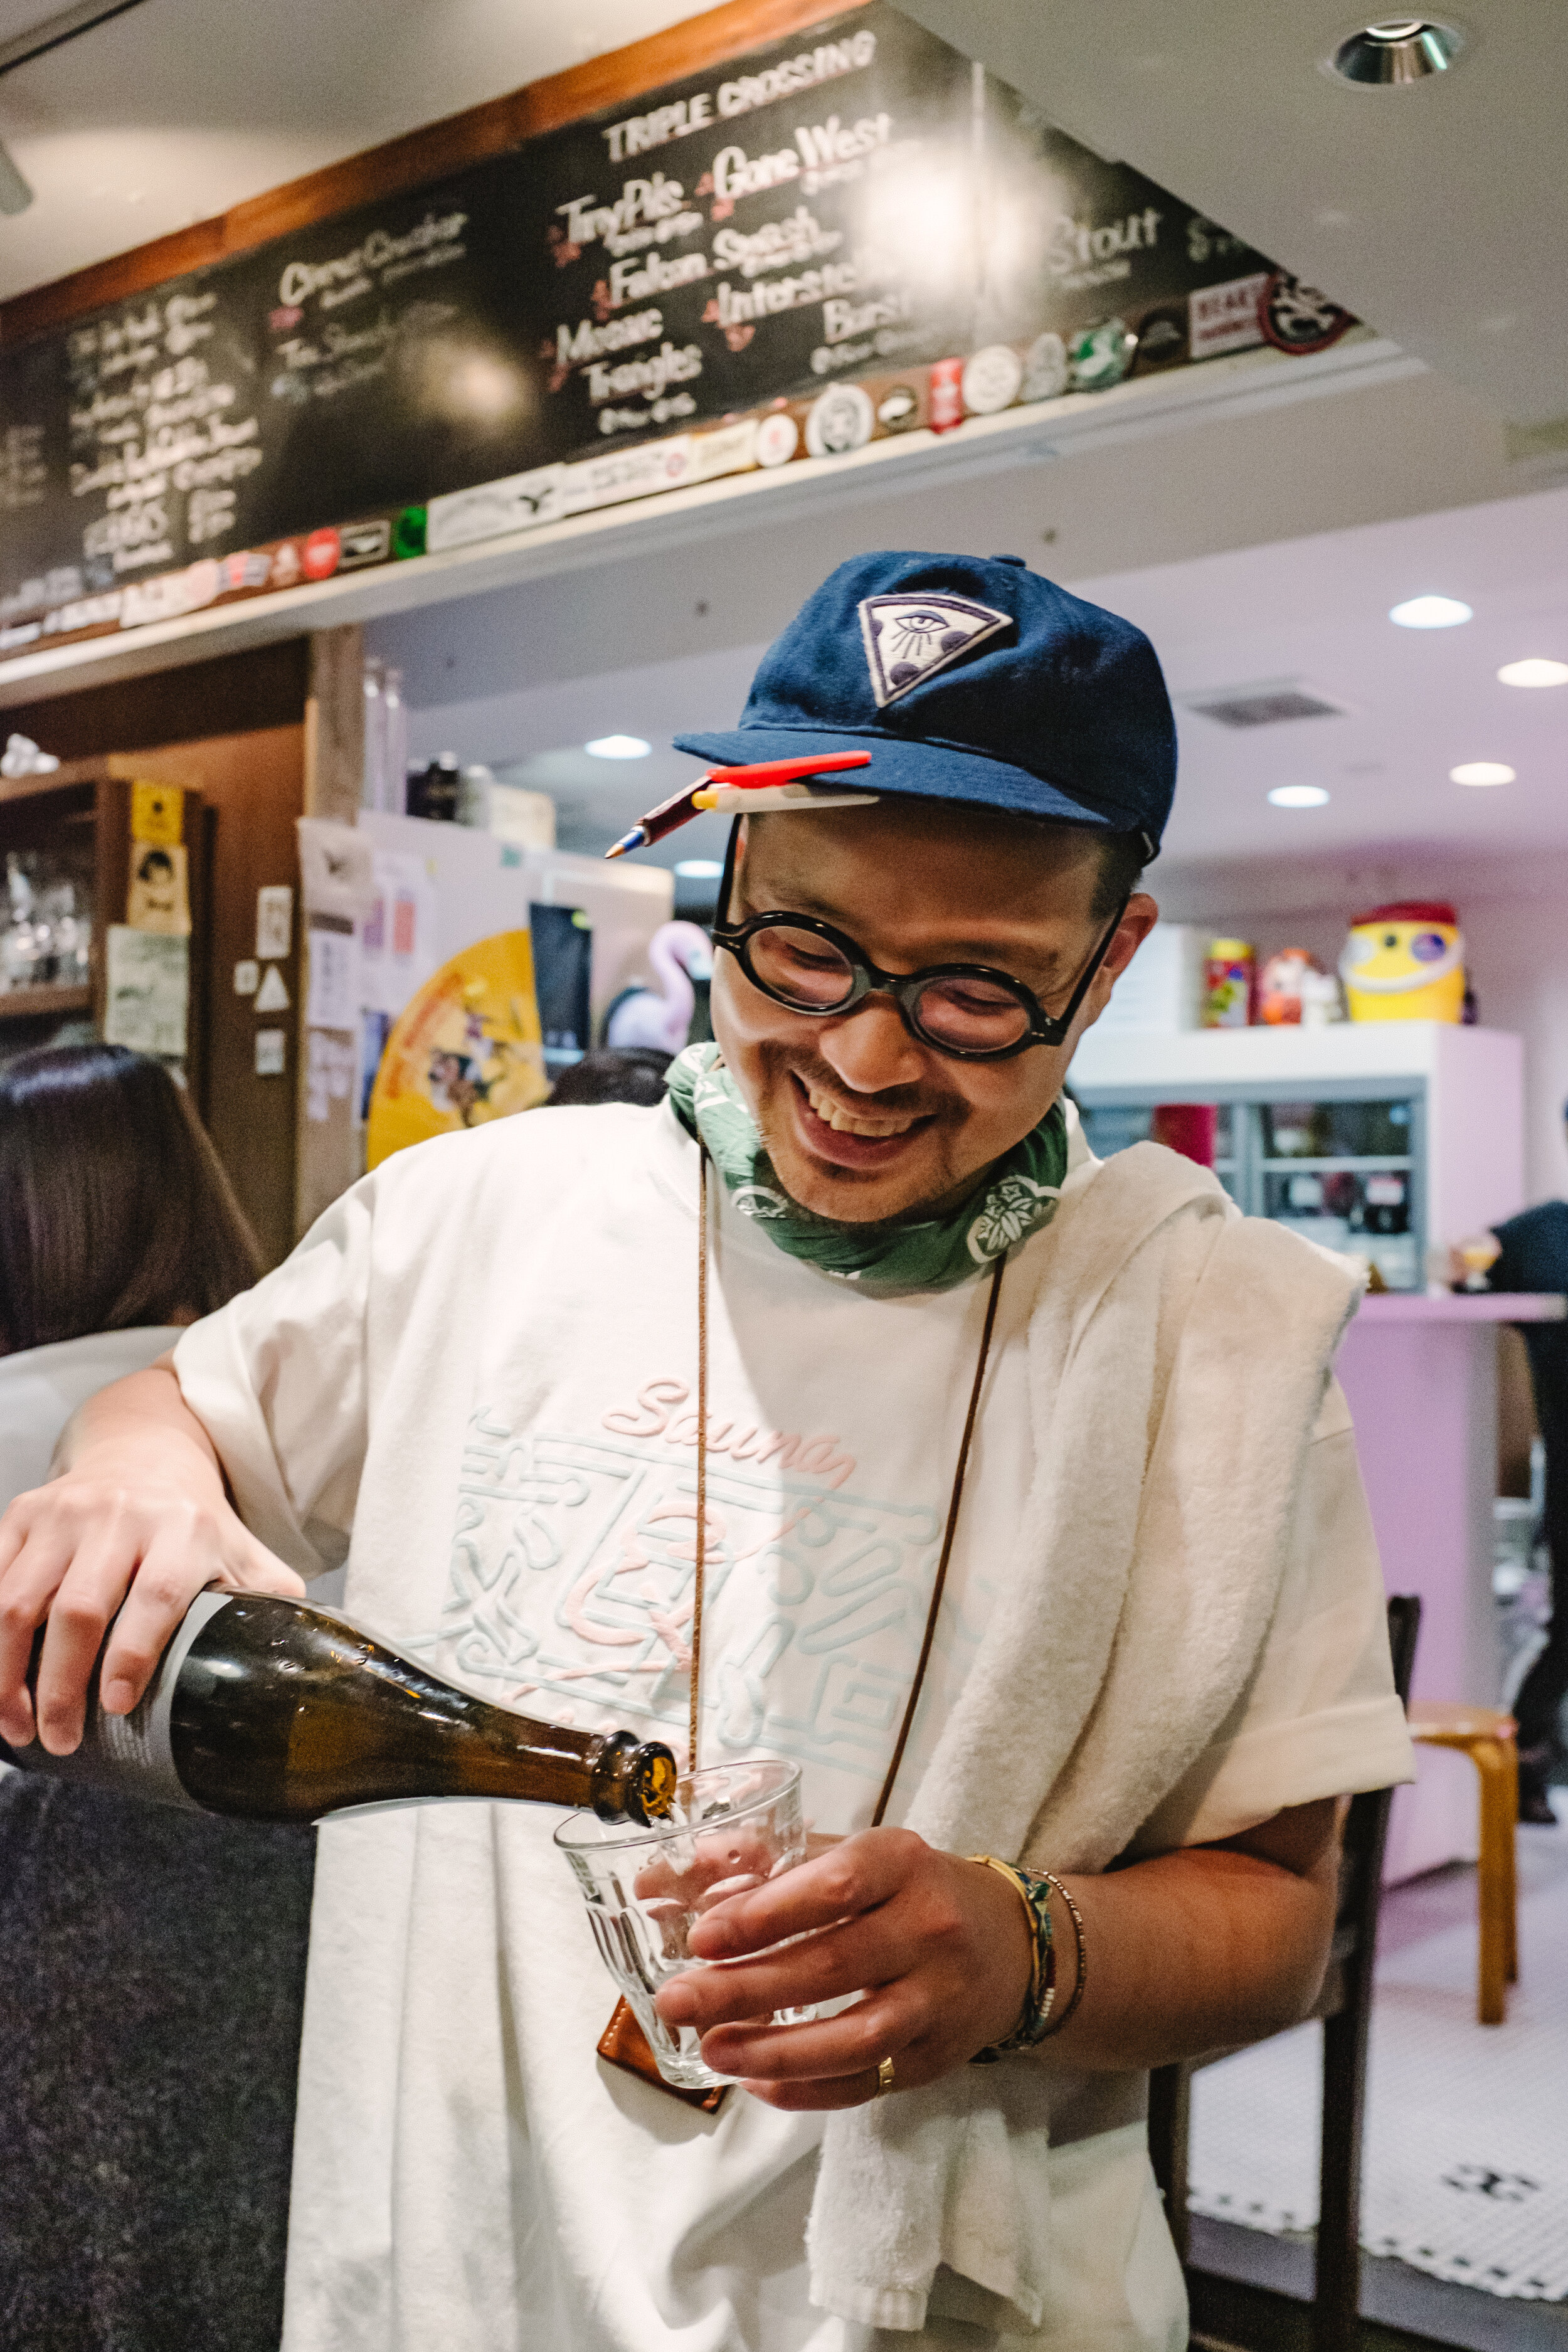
949 1531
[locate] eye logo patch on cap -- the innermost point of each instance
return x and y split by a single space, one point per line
912 639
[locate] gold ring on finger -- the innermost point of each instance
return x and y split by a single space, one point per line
884 2077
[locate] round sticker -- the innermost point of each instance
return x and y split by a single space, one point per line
1046 368
842 420
1298 318
320 554
991 379
408 532
897 409
778 438
946 398
1100 356
1162 337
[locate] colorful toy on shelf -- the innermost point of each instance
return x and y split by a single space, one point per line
1405 961
1231 980
1290 991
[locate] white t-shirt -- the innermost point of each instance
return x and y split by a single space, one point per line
482 1364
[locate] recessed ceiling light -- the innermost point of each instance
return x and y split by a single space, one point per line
1534 673
618 747
1396 50
1429 612
1298 796
698 869
1482 771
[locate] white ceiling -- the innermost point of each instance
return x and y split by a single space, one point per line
178 109
1312 608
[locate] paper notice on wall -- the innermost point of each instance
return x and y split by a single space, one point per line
158 899
333 1002
335 869
274 921
399 935
330 1066
158 813
335 884
147 989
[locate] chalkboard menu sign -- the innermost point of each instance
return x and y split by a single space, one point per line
850 234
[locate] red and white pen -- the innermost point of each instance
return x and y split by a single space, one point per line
765 775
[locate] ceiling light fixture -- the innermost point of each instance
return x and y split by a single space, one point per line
1533 673
1298 796
1429 612
1482 771
1396 51
617 747
698 869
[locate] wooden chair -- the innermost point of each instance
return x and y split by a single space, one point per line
1489 1738
1345 2006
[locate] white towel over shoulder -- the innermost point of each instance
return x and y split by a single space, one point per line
1178 1354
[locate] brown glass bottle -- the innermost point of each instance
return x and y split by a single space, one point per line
278 1711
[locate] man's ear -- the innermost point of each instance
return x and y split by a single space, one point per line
1139 918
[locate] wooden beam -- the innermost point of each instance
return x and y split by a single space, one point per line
334 724
418 157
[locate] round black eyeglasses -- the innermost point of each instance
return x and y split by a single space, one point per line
966 1011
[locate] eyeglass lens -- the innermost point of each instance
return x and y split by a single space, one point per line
801 968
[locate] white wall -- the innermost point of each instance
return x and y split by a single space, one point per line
1514 914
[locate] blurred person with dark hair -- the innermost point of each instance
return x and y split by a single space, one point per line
1531 1255
612 1073
151 1963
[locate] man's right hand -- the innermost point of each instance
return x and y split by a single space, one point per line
137 1514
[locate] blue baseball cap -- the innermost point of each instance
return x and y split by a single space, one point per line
968 678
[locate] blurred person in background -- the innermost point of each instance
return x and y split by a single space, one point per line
612 1073
151 1963
1531 1255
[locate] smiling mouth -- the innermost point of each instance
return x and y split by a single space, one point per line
846 1122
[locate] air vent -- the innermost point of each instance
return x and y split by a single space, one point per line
1267 705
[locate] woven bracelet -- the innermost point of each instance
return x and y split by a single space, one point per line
1082 1977
1033 1890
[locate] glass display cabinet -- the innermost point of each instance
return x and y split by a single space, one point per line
1386 1141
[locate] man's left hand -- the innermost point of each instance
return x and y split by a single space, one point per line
939 1948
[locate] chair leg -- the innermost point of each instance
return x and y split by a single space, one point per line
1511 1859
1491 1761
1336 2294
1170 2121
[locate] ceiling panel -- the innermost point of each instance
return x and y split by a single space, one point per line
181 108
1437 211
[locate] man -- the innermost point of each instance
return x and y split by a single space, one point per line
1533 1255
1161 1643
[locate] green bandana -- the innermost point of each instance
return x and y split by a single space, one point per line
1020 1193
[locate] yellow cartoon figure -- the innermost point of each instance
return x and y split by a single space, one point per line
1406 962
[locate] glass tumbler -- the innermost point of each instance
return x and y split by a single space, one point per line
734 1826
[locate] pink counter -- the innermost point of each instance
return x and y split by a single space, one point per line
1420 1374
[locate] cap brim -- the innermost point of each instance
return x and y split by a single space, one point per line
925 770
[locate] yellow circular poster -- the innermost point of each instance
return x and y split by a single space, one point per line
465 1049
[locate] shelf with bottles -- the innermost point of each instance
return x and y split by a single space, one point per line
46 929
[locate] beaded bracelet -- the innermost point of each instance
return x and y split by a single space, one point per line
1033 1890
